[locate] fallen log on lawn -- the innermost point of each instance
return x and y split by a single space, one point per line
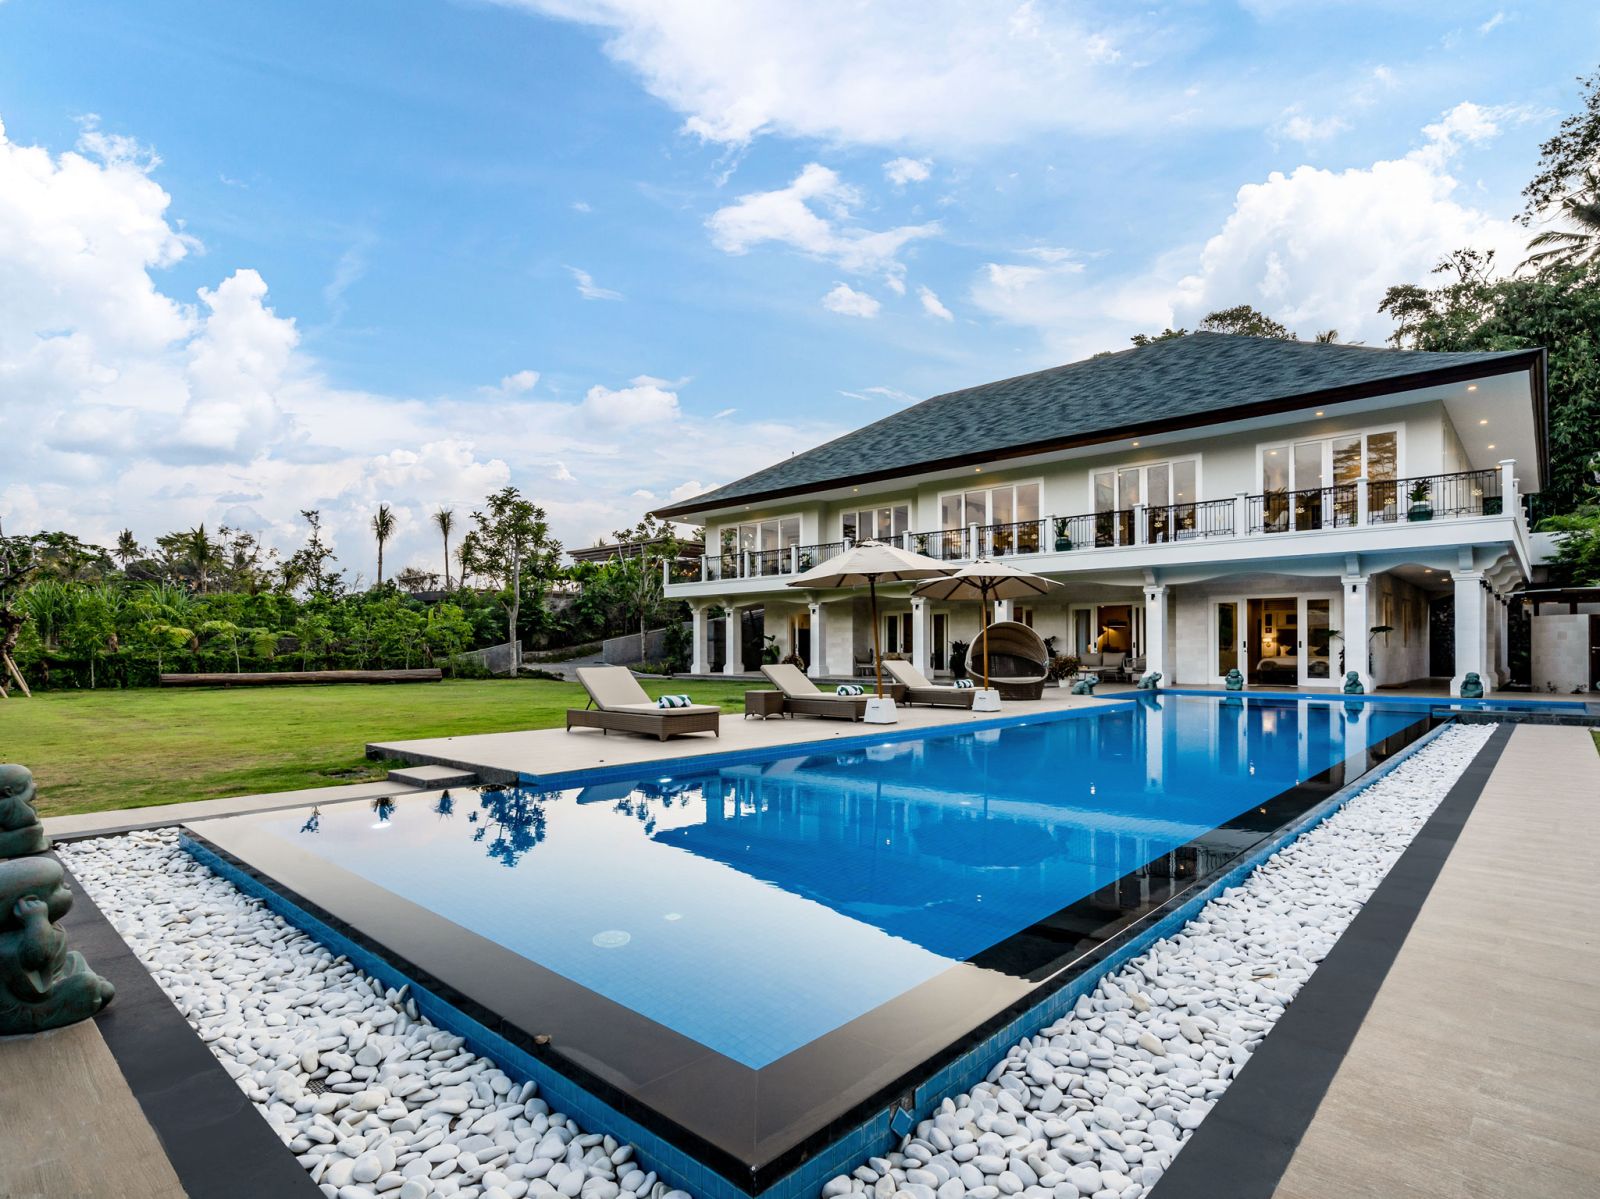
278 678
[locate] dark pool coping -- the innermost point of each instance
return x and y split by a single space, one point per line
219 1144
1246 1141
838 1087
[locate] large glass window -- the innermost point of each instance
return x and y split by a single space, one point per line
883 523
1010 513
1168 489
1295 477
766 543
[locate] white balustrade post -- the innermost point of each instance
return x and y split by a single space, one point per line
1141 527
1510 502
1155 631
972 550
1241 514
734 661
705 567
794 559
702 633
817 667
1363 501
1472 620
1355 628
744 564
921 634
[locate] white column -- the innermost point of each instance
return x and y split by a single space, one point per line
735 658
1155 631
817 667
1002 610
1363 501
1241 514
921 635
1510 501
1472 627
1355 629
1502 628
702 633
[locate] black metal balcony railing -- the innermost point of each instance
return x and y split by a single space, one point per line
1460 494
1303 511
1424 497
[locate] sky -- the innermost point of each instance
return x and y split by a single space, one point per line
258 258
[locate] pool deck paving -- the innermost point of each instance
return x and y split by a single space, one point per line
1474 1073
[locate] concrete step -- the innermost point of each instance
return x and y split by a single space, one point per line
433 778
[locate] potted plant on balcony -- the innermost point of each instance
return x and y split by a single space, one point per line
922 543
1063 541
1421 506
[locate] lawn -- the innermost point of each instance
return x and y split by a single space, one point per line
97 750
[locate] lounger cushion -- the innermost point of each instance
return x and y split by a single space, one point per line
673 701
791 680
665 713
613 687
849 689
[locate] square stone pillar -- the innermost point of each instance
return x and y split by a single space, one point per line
1355 630
1002 610
701 642
735 646
921 635
1472 629
818 666
1155 632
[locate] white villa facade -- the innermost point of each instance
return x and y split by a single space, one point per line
1292 510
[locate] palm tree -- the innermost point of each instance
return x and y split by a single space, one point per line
382 529
1328 337
127 547
1572 247
202 553
445 520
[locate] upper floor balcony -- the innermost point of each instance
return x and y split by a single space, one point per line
1268 521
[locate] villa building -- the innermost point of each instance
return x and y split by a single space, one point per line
1290 509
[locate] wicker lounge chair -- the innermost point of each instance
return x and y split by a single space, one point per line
920 691
1018 660
617 702
802 697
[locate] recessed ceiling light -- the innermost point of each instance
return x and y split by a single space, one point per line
977 470
1484 421
1319 414
1491 445
1472 387
1136 443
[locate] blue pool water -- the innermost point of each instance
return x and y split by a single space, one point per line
758 906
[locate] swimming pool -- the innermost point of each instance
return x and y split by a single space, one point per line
753 951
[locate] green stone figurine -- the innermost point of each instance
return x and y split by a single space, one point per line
1352 684
1472 686
1234 681
1150 681
21 834
1085 685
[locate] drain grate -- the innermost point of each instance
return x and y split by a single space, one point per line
317 1087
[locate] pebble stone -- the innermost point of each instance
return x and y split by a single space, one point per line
1095 1106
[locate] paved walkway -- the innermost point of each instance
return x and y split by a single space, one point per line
1476 1072
126 820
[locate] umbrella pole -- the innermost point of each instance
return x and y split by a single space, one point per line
985 603
877 655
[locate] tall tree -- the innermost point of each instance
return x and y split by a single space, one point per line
202 554
127 549
382 529
1245 321
510 541
445 521
310 562
1571 155
1577 245
640 551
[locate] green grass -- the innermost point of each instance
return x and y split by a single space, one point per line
99 750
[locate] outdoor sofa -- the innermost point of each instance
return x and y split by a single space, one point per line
617 703
920 691
802 697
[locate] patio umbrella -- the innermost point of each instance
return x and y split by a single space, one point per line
983 579
871 563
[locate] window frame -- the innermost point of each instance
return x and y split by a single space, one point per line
1327 440
857 508
1143 468
989 489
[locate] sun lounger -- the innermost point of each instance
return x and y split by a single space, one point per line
618 703
802 697
920 691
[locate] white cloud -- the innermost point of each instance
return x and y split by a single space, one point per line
1314 248
587 288
1295 125
581 206
132 408
788 216
114 148
724 413
931 304
688 490
881 393
847 301
941 73
647 401
901 171
1492 23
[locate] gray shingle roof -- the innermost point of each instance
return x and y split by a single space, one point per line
1185 380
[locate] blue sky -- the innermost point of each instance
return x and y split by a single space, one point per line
262 257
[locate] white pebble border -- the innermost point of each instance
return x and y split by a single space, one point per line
400 1109
1100 1102
377 1103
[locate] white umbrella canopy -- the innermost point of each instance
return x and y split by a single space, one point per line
868 563
984 579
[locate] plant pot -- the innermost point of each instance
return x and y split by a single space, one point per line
1063 544
1422 510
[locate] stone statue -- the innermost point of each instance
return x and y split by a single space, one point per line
42 983
1352 684
1149 682
1235 680
21 834
1472 686
1085 685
